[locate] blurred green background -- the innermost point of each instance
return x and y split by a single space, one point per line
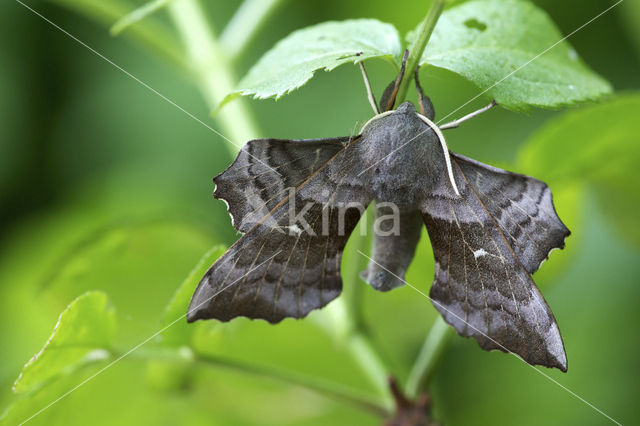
106 186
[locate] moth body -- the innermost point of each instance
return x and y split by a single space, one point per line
399 150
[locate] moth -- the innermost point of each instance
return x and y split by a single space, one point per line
297 202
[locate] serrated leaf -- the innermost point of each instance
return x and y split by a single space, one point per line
487 40
82 335
596 145
294 59
178 333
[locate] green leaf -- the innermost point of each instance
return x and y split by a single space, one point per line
593 142
596 145
294 59
178 333
168 375
487 40
137 15
620 201
83 335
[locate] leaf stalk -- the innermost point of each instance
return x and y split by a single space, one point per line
430 353
212 71
419 43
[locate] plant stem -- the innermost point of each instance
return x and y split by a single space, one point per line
333 390
419 44
212 71
372 364
356 263
136 15
148 33
244 25
337 321
357 340
429 355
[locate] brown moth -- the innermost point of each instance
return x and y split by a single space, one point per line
297 201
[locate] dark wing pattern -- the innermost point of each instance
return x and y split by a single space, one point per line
392 250
481 286
288 263
264 169
522 206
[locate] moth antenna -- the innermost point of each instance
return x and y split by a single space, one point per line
445 149
375 117
455 123
353 131
367 84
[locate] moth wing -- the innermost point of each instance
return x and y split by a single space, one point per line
281 269
263 171
481 287
523 208
392 250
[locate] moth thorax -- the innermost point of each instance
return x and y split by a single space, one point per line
403 155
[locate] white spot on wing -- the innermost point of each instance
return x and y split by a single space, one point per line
227 206
294 229
547 258
479 253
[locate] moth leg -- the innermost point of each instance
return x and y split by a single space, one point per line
367 84
388 99
424 103
455 123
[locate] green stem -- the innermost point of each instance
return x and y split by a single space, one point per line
418 46
137 15
337 321
336 391
355 264
372 364
430 353
333 390
148 33
343 320
359 343
244 25
212 71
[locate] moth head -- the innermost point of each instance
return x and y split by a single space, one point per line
409 109
406 108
